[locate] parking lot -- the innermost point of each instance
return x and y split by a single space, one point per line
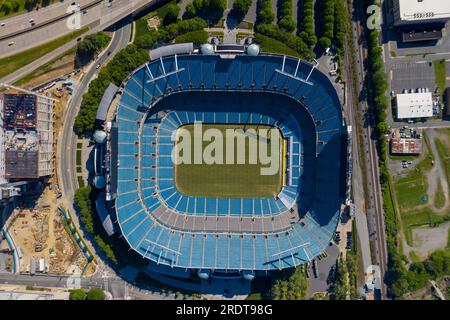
412 75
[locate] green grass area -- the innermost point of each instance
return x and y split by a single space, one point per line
227 180
78 157
219 24
269 45
79 169
141 23
20 7
420 218
197 37
79 145
401 158
246 25
46 68
410 189
439 197
17 61
439 73
444 155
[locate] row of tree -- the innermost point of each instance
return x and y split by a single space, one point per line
285 19
307 26
208 9
83 203
327 16
291 287
115 71
341 22
265 12
124 63
292 41
92 294
240 8
343 278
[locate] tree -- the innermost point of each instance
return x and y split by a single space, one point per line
240 8
285 19
171 15
293 287
77 294
265 14
324 42
90 45
96 294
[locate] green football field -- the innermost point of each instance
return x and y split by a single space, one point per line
229 180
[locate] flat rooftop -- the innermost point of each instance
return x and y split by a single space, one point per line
417 10
414 105
421 35
406 146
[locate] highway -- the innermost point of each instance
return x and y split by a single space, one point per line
98 16
363 114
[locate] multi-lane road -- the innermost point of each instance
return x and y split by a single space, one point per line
51 23
68 139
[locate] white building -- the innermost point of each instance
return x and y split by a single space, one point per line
421 11
414 105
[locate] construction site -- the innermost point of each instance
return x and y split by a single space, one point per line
40 235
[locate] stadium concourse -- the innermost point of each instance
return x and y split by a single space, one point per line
219 237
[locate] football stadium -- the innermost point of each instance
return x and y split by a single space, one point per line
233 216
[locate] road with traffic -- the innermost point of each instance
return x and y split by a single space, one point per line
97 16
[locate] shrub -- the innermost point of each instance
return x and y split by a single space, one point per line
95 294
77 294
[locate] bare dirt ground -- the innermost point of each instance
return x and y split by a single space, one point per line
40 233
59 68
427 240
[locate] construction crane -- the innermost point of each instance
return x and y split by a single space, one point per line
10 86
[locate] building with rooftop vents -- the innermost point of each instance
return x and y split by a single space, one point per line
413 12
27 136
414 105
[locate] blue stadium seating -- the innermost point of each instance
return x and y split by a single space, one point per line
145 173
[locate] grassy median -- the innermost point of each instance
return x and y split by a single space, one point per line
15 62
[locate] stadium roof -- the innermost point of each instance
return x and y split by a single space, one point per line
108 97
414 105
418 10
173 49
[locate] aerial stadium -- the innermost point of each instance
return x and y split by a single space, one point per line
220 219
